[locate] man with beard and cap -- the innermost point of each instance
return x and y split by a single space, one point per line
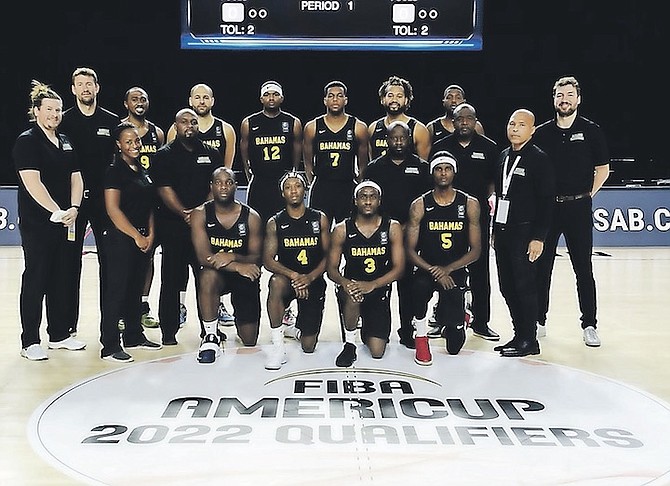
443 126
443 237
227 238
578 150
524 207
477 156
219 134
89 127
403 176
374 257
136 102
395 96
335 154
295 251
182 172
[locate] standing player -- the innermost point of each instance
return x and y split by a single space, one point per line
89 127
372 246
220 135
295 251
335 154
443 238
153 138
578 150
182 171
395 96
443 126
270 145
227 239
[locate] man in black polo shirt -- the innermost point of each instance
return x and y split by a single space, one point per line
89 127
578 151
403 177
476 156
181 170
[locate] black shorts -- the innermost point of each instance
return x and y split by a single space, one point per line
376 314
310 310
245 295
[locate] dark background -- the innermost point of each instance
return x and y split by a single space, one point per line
616 50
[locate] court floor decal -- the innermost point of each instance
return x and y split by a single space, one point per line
471 419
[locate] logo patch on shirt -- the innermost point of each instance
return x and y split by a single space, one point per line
241 229
284 127
461 211
204 159
520 171
478 155
577 137
104 132
384 238
412 170
67 147
316 227
350 135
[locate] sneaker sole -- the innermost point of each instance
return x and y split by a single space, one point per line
423 363
486 338
34 359
114 360
66 348
592 345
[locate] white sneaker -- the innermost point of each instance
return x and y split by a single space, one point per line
276 358
292 332
541 330
225 317
34 352
71 344
591 338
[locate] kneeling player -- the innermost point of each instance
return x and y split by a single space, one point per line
227 239
442 237
372 247
296 242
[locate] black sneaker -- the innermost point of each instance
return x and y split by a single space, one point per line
455 338
119 356
347 357
210 348
146 344
407 339
485 333
170 341
435 332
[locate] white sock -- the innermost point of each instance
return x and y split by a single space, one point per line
421 326
211 326
182 297
145 298
277 335
221 299
350 336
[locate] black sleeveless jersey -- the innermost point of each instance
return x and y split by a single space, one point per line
215 137
443 233
439 132
378 141
299 245
335 153
271 144
232 240
367 258
150 146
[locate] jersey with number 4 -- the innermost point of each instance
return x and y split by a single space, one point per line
367 258
299 245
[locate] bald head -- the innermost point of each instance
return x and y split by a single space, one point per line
520 128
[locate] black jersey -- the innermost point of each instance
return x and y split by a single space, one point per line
230 240
439 132
299 245
215 137
367 258
379 143
335 152
271 144
150 145
444 230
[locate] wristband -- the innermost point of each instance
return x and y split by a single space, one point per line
75 206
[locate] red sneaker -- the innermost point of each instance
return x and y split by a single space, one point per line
422 356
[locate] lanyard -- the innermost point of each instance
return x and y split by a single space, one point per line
507 175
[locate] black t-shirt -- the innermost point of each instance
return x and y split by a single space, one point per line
137 191
367 258
574 152
92 138
400 184
34 151
299 245
476 165
187 173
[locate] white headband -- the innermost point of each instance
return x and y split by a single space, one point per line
443 159
271 86
364 184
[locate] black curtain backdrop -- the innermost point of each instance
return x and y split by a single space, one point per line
614 48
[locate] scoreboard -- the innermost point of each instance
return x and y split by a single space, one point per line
391 25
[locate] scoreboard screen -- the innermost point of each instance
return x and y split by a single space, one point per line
390 25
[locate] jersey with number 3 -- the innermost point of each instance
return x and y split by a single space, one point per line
367 258
299 245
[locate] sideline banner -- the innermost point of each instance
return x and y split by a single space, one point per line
622 216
